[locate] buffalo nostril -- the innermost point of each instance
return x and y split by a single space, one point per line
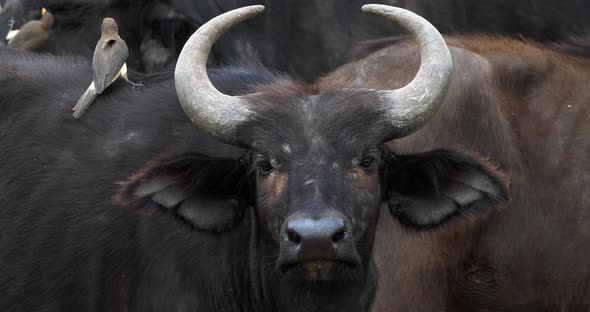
293 236
338 236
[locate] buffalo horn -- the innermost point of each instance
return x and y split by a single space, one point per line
210 110
410 107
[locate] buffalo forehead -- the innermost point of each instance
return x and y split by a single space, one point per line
334 123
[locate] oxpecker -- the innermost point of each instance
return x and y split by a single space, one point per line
108 64
33 35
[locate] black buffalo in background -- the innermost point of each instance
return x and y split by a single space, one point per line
305 37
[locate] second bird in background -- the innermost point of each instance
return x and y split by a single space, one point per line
33 35
108 64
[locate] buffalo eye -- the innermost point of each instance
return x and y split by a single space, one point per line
264 165
367 163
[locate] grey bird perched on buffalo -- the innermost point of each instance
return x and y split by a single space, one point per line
108 64
33 35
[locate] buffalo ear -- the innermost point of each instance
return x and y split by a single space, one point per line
206 193
430 189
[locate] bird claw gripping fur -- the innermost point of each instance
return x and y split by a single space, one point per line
134 84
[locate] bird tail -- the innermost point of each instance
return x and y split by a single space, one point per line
85 101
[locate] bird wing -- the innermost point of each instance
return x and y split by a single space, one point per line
11 34
37 39
23 34
109 57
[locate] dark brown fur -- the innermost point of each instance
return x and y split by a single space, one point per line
527 109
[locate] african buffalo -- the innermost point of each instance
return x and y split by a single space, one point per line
283 221
284 217
525 109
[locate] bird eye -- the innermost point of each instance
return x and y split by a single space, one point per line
264 167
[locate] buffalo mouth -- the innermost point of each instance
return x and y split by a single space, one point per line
320 270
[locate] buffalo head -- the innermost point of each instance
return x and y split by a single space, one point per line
316 169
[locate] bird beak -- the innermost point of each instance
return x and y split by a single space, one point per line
43 11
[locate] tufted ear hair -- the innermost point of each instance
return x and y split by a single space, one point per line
208 194
429 190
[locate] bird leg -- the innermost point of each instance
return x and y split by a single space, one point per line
123 73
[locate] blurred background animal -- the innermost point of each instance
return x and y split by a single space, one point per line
286 38
33 35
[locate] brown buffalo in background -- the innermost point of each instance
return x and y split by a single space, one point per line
525 109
